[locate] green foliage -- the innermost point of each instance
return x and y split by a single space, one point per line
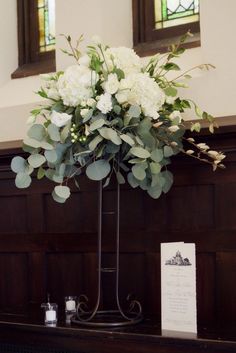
98 170
134 145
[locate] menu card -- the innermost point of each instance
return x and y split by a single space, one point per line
178 288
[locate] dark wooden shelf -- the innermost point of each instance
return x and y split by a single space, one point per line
143 338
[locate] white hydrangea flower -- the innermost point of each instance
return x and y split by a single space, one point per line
123 58
91 102
74 85
105 103
50 86
60 119
140 89
112 84
84 60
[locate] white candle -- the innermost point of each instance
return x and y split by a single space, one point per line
70 305
50 315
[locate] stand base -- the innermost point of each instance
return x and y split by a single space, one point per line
108 318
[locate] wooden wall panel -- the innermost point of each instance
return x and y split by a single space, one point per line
47 247
13 210
226 200
206 288
65 275
60 218
226 289
14 283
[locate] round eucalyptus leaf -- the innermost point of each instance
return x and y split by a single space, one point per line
139 152
134 111
37 132
155 168
53 132
51 156
93 144
29 169
18 164
98 170
110 134
155 191
41 173
23 180
49 173
136 160
36 160
157 155
47 146
120 178
57 178
57 198
127 139
62 191
132 180
96 124
168 151
138 172
144 184
32 142
168 176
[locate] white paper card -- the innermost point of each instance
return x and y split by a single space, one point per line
178 287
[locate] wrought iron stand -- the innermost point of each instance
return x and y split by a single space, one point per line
110 318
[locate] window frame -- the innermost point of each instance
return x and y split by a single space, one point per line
30 60
148 40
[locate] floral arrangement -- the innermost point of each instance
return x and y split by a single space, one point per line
112 113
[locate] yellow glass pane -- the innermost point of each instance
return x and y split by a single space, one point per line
46 18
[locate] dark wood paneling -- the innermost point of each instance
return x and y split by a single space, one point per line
64 275
14 283
47 247
13 210
60 218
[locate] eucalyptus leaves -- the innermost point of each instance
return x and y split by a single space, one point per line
107 114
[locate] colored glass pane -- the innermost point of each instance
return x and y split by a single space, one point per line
46 16
169 13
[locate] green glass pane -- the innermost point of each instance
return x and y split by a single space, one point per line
46 17
170 13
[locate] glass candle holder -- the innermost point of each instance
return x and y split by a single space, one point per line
50 313
70 304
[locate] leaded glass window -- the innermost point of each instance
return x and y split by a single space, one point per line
46 17
169 13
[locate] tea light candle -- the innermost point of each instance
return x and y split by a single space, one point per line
51 315
70 305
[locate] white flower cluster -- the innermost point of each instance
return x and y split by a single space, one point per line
140 89
124 59
76 85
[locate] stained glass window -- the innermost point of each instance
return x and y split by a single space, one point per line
169 13
46 16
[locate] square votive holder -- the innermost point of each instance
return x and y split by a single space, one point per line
70 304
50 309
